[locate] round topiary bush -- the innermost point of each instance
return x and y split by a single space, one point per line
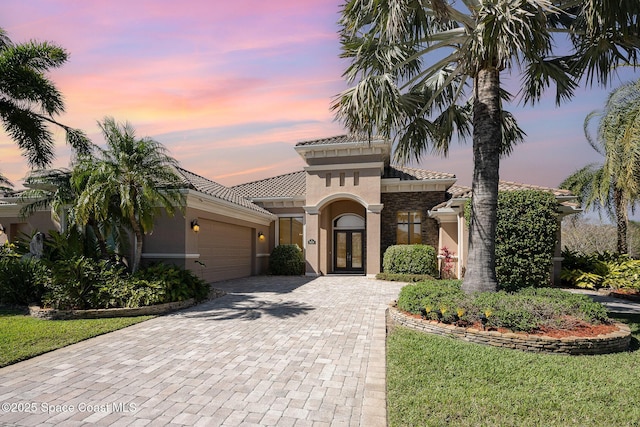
410 259
286 260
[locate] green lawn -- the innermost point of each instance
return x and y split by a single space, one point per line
23 337
437 381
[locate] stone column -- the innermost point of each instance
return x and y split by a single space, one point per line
373 240
312 252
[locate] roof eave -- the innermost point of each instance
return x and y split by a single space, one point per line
199 200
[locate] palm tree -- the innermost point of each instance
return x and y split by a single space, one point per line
136 175
53 188
614 185
29 101
425 68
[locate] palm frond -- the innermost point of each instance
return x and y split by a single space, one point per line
30 132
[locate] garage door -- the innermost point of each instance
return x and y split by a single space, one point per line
225 249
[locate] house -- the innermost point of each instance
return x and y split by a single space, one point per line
343 210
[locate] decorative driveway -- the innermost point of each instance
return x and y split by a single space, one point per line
281 351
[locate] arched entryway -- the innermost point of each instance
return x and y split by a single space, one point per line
349 244
342 221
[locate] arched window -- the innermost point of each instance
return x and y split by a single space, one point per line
349 222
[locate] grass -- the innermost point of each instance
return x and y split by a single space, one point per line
438 381
23 337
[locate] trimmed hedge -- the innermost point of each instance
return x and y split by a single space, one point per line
526 230
286 260
410 259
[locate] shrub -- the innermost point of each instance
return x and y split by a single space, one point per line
130 292
286 260
413 298
410 259
22 280
526 231
177 284
598 270
83 283
77 283
409 278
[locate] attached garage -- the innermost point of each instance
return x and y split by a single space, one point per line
226 250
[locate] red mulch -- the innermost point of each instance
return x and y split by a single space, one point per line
578 328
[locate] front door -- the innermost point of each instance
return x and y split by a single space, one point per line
348 251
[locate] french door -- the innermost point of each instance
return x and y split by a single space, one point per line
348 251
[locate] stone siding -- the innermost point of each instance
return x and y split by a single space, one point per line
613 342
410 201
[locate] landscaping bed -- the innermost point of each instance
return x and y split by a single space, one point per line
583 339
531 319
103 313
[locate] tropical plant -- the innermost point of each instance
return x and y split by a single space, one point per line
136 175
177 284
615 185
75 283
29 101
22 280
600 270
413 61
55 189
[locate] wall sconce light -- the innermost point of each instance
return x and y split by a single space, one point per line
1 229
195 226
260 236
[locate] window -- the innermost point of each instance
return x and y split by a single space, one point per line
409 230
356 178
291 231
342 179
327 180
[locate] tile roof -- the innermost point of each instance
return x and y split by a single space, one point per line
340 139
411 174
288 185
219 191
461 191
294 184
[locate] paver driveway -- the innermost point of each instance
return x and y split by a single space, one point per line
273 351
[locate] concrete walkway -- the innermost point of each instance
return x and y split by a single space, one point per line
273 352
612 304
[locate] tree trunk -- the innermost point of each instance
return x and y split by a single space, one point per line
487 133
102 243
137 232
622 220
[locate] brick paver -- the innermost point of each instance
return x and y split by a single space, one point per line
275 351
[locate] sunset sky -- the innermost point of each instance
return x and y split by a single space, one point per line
230 86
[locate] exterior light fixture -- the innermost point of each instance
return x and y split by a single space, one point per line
1 229
260 236
195 226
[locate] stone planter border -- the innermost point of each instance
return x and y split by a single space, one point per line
151 310
602 344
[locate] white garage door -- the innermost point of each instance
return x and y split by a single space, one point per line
225 249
